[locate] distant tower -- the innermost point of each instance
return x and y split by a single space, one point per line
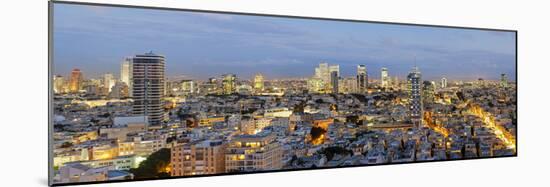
334 81
147 80
503 81
108 81
259 82
362 78
428 91
323 72
76 81
443 82
384 78
125 71
415 96
229 84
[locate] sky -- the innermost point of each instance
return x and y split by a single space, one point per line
196 45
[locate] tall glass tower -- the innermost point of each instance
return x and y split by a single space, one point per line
362 78
384 78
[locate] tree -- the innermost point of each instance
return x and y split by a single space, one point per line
157 165
329 152
316 132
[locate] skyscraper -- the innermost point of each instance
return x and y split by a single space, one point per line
415 96
362 78
324 73
384 78
334 68
258 82
229 83
334 81
148 86
108 81
125 71
428 91
503 81
75 83
443 82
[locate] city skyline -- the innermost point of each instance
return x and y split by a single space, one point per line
269 94
276 47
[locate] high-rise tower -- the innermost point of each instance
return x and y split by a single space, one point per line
125 71
147 80
384 78
75 83
334 81
362 78
415 97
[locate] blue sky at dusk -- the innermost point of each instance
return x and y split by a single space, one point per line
200 45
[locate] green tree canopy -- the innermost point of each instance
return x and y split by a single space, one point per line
157 165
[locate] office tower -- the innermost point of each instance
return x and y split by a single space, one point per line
198 158
317 73
384 78
258 152
148 86
334 68
415 97
108 82
258 82
334 81
362 78
503 81
58 84
428 91
229 83
395 82
125 70
75 83
443 82
324 73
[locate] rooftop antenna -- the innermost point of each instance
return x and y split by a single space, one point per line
415 68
